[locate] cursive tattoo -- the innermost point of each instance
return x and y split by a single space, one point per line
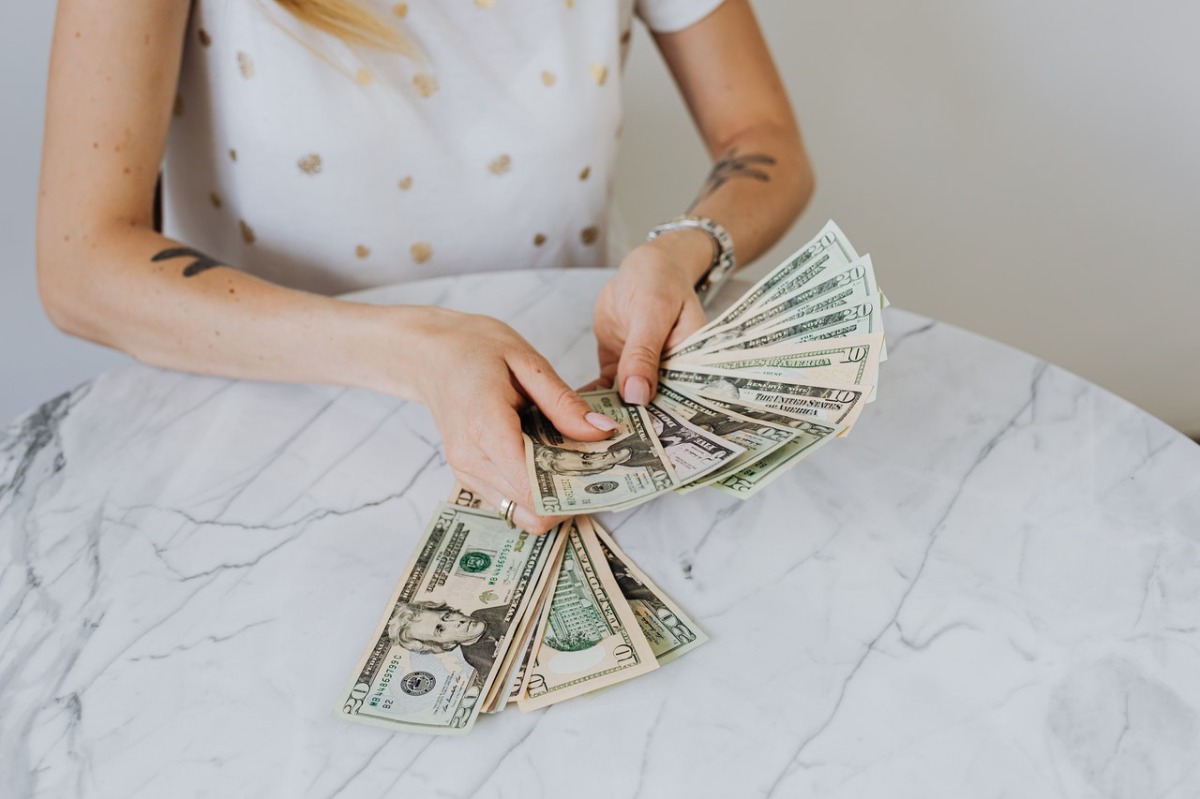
731 165
201 263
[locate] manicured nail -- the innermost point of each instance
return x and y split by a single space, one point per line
637 390
600 422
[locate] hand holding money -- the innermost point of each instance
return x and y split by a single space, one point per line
788 366
486 615
474 376
649 306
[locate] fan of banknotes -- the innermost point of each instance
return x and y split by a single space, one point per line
485 616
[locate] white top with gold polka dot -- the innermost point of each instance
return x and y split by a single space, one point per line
333 168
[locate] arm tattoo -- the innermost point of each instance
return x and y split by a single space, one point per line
733 166
201 263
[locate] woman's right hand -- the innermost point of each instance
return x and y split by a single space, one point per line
475 373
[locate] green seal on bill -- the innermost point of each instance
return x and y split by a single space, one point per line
474 562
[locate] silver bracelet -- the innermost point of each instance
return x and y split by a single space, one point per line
723 262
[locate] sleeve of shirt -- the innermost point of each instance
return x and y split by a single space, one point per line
668 16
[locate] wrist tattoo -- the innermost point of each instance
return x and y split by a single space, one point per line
200 262
732 165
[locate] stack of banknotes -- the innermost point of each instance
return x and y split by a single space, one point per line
761 387
485 615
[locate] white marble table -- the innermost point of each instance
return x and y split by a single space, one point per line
991 589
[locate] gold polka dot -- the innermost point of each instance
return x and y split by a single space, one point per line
539 240
620 129
215 199
362 251
400 10
426 84
548 78
310 164
589 234
205 39
485 3
586 173
406 183
232 154
570 3
245 65
363 76
177 110
500 164
421 252
599 73
247 232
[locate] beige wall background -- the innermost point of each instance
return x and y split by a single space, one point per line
1026 170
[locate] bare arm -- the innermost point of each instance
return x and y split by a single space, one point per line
761 177
106 275
113 72
759 183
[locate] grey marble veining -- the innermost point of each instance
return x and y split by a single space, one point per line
991 589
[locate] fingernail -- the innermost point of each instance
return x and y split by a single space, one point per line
637 390
600 422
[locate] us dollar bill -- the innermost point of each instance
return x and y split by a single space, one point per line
853 360
797 286
512 673
757 438
517 681
840 404
439 645
852 320
670 631
767 320
572 477
589 637
810 436
829 251
512 668
855 286
694 452
466 498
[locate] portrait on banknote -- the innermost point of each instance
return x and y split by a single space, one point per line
630 451
720 388
437 627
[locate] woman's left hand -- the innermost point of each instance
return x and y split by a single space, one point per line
647 308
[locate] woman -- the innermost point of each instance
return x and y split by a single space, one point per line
314 146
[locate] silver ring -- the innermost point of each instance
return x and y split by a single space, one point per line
508 509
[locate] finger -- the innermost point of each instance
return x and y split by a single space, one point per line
608 353
565 409
608 374
691 319
637 371
495 495
502 457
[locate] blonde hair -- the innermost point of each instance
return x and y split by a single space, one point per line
350 22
